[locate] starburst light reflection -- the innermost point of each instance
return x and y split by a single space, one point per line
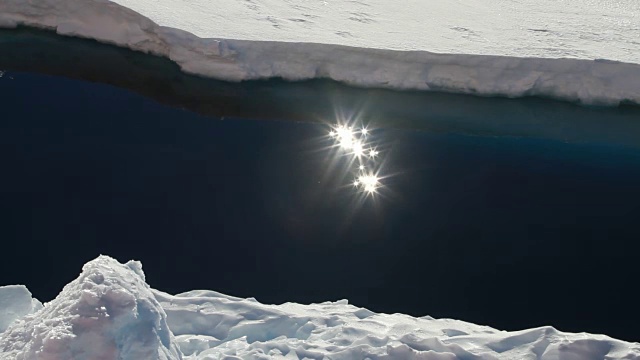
369 182
358 150
354 142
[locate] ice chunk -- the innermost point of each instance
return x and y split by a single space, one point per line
108 312
15 302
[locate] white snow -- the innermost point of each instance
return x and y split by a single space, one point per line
15 302
109 312
209 325
518 40
586 29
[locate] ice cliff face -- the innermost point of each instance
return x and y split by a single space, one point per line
110 313
599 82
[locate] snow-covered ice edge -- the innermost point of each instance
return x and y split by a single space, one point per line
590 82
110 312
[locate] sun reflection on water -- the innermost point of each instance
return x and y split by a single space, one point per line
353 142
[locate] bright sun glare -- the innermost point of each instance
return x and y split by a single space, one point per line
352 142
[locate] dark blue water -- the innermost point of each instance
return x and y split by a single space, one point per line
512 232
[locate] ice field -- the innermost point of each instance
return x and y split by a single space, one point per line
109 312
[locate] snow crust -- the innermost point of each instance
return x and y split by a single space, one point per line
109 312
145 25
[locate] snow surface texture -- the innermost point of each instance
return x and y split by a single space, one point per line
586 29
197 35
15 302
109 312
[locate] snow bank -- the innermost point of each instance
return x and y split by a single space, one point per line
598 82
211 326
15 302
108 312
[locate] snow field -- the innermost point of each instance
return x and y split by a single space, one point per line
109 312
587 81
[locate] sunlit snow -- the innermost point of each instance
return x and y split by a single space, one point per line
15 302
110 313
587 29
567 50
